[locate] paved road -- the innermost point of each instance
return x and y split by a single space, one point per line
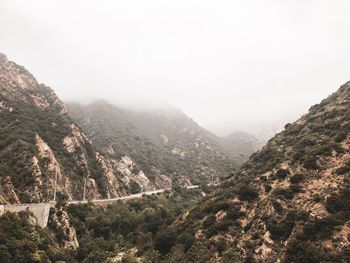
192 186
128 197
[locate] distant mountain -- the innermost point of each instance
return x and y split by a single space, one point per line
290 201
162 142
241 142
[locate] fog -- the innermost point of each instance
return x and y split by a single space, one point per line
246 64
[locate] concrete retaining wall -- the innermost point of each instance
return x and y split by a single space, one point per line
40 211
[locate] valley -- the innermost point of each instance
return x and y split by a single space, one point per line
179 131
154 186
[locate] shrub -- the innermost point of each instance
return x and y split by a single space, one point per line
216 228
210 220
277 206
234 213
338 203
268 188
296 188
281 230
185 239
319 229
284 192
247 193
310 162
164 241
282 173
303 252
220 205
296 179
344 169
341 135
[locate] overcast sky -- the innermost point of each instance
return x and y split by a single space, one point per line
228 64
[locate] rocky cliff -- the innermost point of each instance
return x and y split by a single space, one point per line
38 140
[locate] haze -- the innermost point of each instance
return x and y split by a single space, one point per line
229 65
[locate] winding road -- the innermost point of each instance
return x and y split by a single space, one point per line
123 198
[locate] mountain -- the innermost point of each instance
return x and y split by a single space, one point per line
290 201
241 142
38 139
163 142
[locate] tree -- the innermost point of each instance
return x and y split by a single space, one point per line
199 252
176 255
164 241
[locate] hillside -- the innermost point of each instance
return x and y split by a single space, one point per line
290 201
163 141
241 142
38 138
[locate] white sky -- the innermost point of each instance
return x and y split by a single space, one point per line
228 64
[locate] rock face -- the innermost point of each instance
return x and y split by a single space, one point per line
38 140
290 201
60 223
40 211
165 144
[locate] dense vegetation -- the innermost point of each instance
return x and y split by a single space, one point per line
143 227
22 242
146 224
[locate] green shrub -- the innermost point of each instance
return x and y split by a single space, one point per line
319 229
281 230
284 192
339 203
310 162
341 136
185 239
210 220
218 227
277 206
344 169
296 188
164 241
282 173
303 252
247 193
268 188
220 205
297 178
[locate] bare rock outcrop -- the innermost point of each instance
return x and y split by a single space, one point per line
59 222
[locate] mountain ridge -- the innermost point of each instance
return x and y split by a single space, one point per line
164 140
288 202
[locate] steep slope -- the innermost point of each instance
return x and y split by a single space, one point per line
241 142
162 142
290 201
38 139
